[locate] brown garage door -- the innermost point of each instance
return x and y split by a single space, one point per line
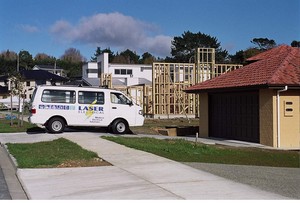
234 115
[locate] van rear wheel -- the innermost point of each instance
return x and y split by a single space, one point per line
119 126
56 125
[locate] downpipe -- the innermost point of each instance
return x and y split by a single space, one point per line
278 114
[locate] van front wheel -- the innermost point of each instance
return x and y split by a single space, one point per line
119 126
56 125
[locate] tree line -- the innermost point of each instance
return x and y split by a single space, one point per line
182 50
71 61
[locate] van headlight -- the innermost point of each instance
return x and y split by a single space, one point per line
141 112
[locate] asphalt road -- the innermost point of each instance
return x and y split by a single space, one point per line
283 181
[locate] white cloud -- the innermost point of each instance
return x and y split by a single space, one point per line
158 44
114 30
29 28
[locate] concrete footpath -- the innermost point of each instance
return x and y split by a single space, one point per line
134 175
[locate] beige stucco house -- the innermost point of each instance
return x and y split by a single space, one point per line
257 103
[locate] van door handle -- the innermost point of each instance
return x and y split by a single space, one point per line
114 107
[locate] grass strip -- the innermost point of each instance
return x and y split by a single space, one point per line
48 154
185 151
6 128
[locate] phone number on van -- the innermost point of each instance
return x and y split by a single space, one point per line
57 107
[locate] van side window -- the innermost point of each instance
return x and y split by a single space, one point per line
58 96
117 98
85 97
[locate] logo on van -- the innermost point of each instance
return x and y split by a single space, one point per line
91 109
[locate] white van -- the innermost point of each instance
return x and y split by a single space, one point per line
58 106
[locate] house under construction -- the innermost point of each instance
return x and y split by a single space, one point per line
165 98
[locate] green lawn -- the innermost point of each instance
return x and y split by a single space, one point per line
185 151
5 126
49 154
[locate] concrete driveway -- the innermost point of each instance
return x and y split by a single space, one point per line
134 175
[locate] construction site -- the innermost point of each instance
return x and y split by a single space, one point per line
166 98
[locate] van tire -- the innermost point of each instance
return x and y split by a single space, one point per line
56 125
119 126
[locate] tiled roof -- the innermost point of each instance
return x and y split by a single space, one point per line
41 75
279 66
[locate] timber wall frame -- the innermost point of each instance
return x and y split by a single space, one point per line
106 80
166 98
140 94
170 79
168 82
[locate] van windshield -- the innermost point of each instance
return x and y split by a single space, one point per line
118 98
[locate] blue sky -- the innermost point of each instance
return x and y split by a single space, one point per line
52 26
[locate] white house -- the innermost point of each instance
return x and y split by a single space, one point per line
122 74
90 74
50 68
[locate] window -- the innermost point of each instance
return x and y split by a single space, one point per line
129 71
88 71
117 98
92 71
58 96
27 83
123 71
85 97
